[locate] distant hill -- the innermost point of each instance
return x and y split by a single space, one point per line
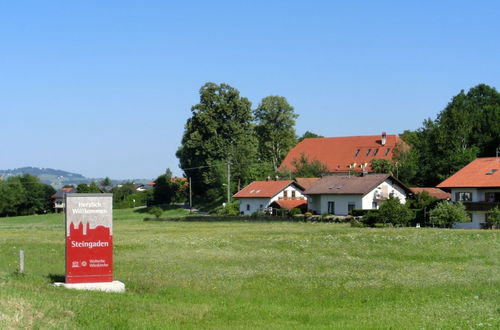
58 178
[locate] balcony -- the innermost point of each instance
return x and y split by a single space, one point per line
481 206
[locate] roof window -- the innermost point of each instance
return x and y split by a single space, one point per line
387 151
357 152
368 152
490 172
375 151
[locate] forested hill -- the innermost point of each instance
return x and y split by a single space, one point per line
41 171
56 178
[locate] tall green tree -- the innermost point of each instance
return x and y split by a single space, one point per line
219 131
275 129
468 127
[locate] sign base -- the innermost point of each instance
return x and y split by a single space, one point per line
115 286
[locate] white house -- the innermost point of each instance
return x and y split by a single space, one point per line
258 195
340 194
58 198
477 186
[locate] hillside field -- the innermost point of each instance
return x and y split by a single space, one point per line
245 275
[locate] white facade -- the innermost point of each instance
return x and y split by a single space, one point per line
474 195
322 204
249 205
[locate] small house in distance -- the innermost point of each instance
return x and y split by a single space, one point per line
477 186
339 195
258 195
58 198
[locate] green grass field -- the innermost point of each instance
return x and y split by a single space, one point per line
256 275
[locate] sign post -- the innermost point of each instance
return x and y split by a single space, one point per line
89 243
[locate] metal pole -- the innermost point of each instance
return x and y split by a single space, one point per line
21 262
190 197
228 183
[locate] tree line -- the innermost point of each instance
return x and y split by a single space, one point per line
224 134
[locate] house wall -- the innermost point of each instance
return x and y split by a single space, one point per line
478 217
319 203
387 185
255 204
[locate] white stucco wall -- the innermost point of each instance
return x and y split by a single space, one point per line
477 219
396 190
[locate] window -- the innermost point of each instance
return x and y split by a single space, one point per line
374 205
293 193
368 152
357 152
331 207
375 152
387 151
285 194
463 197
261 207
350 207
248 207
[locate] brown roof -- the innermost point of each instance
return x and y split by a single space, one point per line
345 185
481 172
434 192
337 153
306 182
291 203
263 189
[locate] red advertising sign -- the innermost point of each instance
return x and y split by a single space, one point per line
89 238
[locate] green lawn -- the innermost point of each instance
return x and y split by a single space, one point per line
256 275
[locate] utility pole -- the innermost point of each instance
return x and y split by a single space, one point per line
190 197
228 183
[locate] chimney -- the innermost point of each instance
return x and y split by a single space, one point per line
384 139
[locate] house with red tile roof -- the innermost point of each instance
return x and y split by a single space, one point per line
339 194
434 192
477 186
58 198
258 195
344 154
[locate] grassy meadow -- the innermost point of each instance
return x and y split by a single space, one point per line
240 275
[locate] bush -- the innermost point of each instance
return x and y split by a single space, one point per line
295 211
230 209
308 214
370 218
392 211
493 218
156 211
359 212
446 213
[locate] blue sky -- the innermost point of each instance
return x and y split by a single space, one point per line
104 88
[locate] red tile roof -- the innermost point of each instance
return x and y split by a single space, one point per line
481 172
337 153
291 203
263 189
434 192
306 182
